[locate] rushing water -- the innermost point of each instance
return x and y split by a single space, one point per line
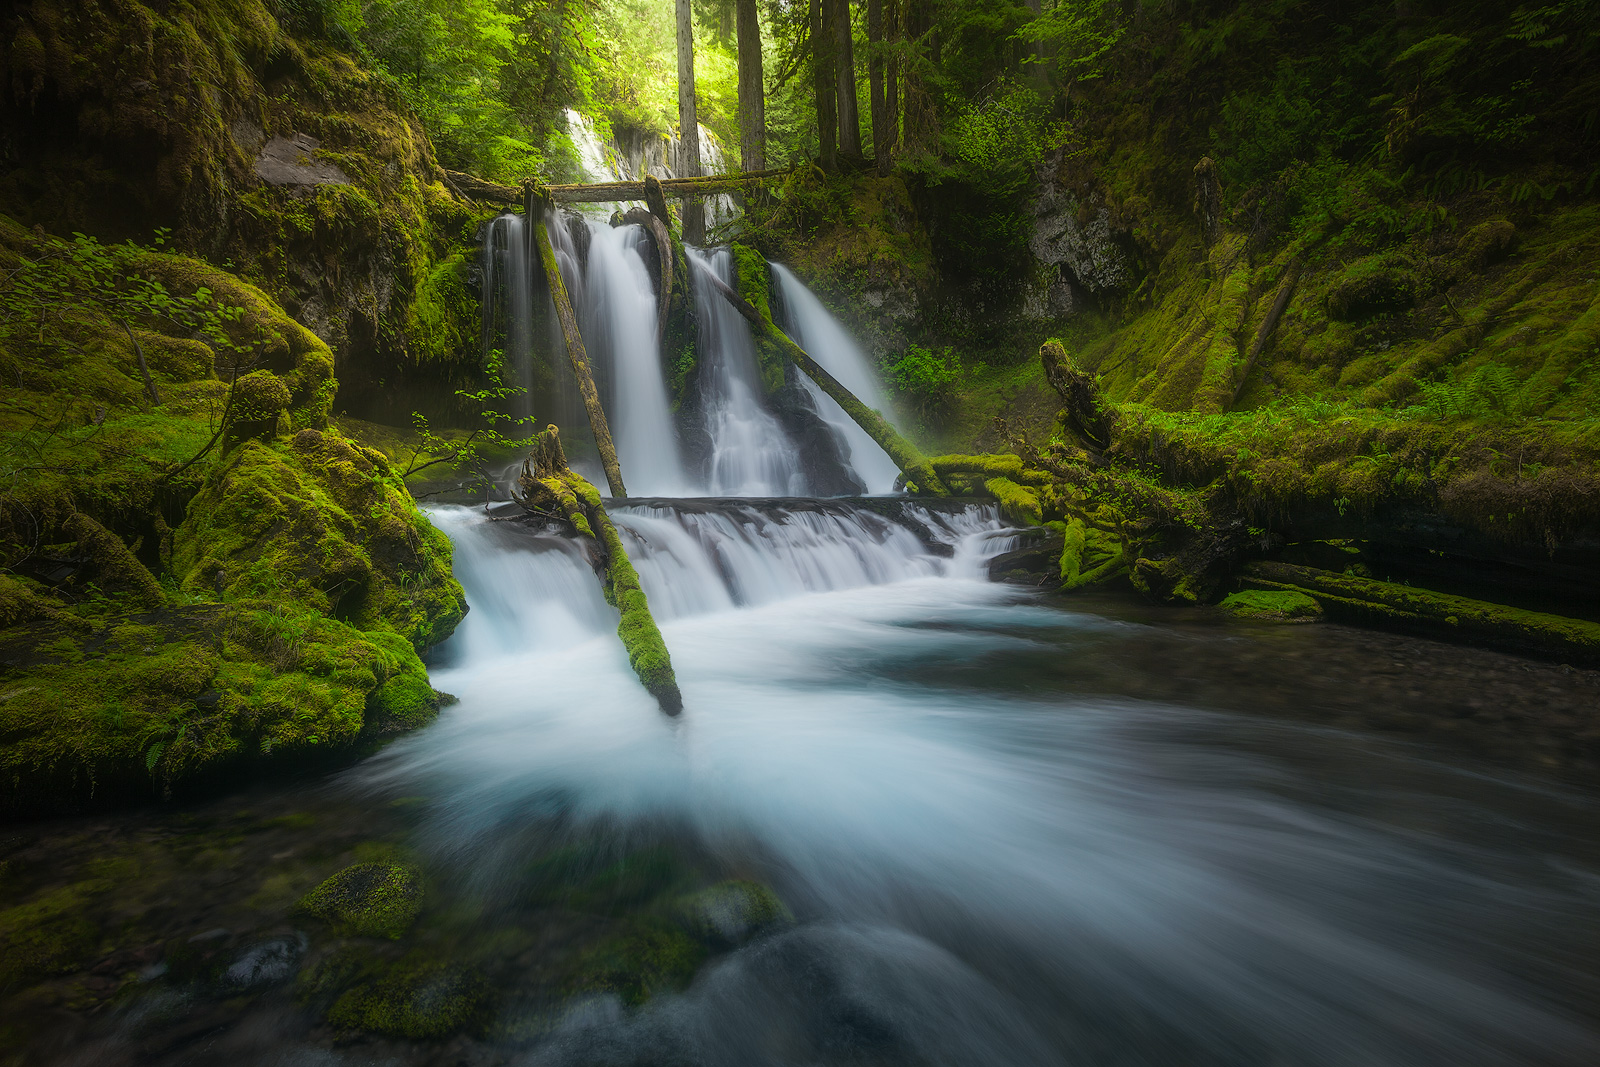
991 871
1013 829
827 341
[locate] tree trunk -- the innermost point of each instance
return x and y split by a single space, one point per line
894 30
576 353
694 212
918 130
822 76
845 73
880 116
752 89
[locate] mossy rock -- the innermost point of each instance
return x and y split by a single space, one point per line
1486 244
416 1000
731 913
48 935
637 963
368 900
1285 605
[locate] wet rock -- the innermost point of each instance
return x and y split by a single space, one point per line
368 899
266 963
733 912
292 161
1280 606
415 1000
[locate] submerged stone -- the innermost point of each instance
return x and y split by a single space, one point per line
733 912
368 899
415 1000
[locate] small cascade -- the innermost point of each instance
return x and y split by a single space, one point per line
618 316
634 157
822 336
751 455
533 589
508 305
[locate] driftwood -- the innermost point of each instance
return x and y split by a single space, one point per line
576 353
600 192
918 472
548 486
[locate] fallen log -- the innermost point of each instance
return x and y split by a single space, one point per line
547 485
576 353
664 266
476 188
1390 606
919 473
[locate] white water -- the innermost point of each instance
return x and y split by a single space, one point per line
605 161
619 328
751 454
985 872
508 303
826 341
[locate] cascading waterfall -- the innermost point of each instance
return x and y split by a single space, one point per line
609 162
508 304
619 327
822 336
751 455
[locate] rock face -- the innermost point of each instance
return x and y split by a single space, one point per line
1076 237
292 161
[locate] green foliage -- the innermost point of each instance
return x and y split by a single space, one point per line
928 377
1002 138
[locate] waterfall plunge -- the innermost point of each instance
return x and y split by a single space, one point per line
821 335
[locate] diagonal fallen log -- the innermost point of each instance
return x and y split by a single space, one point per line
576 353
547 485
920 476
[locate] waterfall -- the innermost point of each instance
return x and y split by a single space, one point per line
751 455
609 161
821 335
619 327
508 305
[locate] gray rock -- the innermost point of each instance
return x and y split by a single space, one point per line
292 161
266 963
1067 235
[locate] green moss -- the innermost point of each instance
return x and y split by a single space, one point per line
732 912
1274 604
444 322
368 900
641 961
752 282
49 935
1019 503
1089 555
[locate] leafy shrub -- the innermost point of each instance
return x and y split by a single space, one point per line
929 377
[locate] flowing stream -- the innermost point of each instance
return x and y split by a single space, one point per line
989 866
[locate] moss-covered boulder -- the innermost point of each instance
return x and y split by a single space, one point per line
415 1000
1276 605
368 900
638 962
320 522
732 912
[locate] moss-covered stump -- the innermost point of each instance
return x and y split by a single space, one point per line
368 900
1276 605
1387 605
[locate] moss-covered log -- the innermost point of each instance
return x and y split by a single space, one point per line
576 353
548 485
1385 604
920 477
603 192
1087 415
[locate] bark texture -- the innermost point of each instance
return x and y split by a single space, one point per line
576 353
845 86
752 88
822 66
694 212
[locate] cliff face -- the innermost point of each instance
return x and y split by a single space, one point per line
266 151
200 578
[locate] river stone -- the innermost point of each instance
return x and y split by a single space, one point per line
733 912
292 161
266 963
368 899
